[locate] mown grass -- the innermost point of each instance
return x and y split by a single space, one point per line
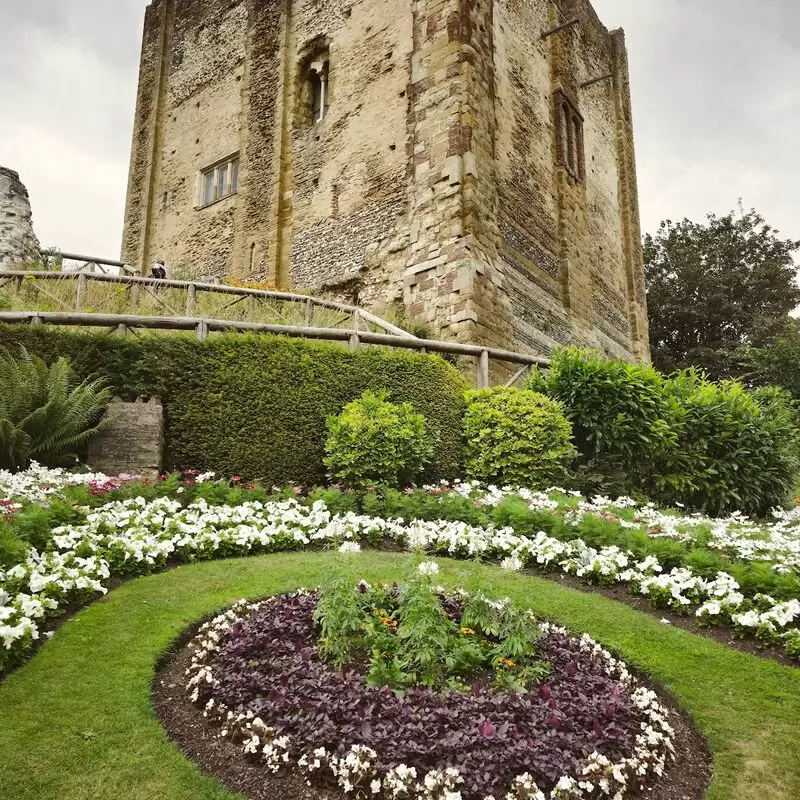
76 723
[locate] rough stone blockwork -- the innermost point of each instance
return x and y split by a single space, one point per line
441 155
132 441
18 242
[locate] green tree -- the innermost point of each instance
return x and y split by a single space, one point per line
715 287
776 363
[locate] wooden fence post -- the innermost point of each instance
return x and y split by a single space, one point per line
483 369
191 299
80 294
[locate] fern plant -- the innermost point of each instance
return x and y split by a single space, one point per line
45 413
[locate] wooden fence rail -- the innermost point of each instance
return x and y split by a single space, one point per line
122 324
357 317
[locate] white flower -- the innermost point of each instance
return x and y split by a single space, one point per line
512 563
350 547
428 568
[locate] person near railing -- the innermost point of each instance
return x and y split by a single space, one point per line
158 270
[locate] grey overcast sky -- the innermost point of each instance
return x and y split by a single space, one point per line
716 92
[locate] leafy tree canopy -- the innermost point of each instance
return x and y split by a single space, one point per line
715 287
777 363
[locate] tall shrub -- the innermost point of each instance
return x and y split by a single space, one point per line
256 405
619 412
735 451
45 413
514 437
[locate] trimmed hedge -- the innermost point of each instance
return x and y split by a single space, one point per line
256 405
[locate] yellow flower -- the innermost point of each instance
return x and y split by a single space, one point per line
467 631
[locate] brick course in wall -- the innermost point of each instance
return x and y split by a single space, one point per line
434 179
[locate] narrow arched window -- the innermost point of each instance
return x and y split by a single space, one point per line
318 90
577 146
316 97
569 132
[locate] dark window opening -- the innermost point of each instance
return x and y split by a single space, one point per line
317 99
318 90
570 137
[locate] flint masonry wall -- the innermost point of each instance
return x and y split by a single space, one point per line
435 179
18 242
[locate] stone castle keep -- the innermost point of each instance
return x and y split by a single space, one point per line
460 158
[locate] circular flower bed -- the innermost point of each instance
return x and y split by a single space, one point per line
408 692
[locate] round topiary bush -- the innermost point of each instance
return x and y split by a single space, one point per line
374 442
516 437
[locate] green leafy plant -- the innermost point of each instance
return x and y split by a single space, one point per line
516 437
45 413
792 643
735 450
683 439
339 617
375 442
411 635
619 413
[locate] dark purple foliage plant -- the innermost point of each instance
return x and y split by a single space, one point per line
411 681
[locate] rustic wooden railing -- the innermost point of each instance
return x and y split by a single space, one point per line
123 324
267 305
92 264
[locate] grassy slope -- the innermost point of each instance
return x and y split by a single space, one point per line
76 722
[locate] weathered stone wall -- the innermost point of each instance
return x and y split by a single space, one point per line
188 117
434 180
348 171
563 244
18 242
132 441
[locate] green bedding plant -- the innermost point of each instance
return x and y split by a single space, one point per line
408 634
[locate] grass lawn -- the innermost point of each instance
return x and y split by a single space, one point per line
76 722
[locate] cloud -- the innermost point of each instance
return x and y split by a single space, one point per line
68 92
